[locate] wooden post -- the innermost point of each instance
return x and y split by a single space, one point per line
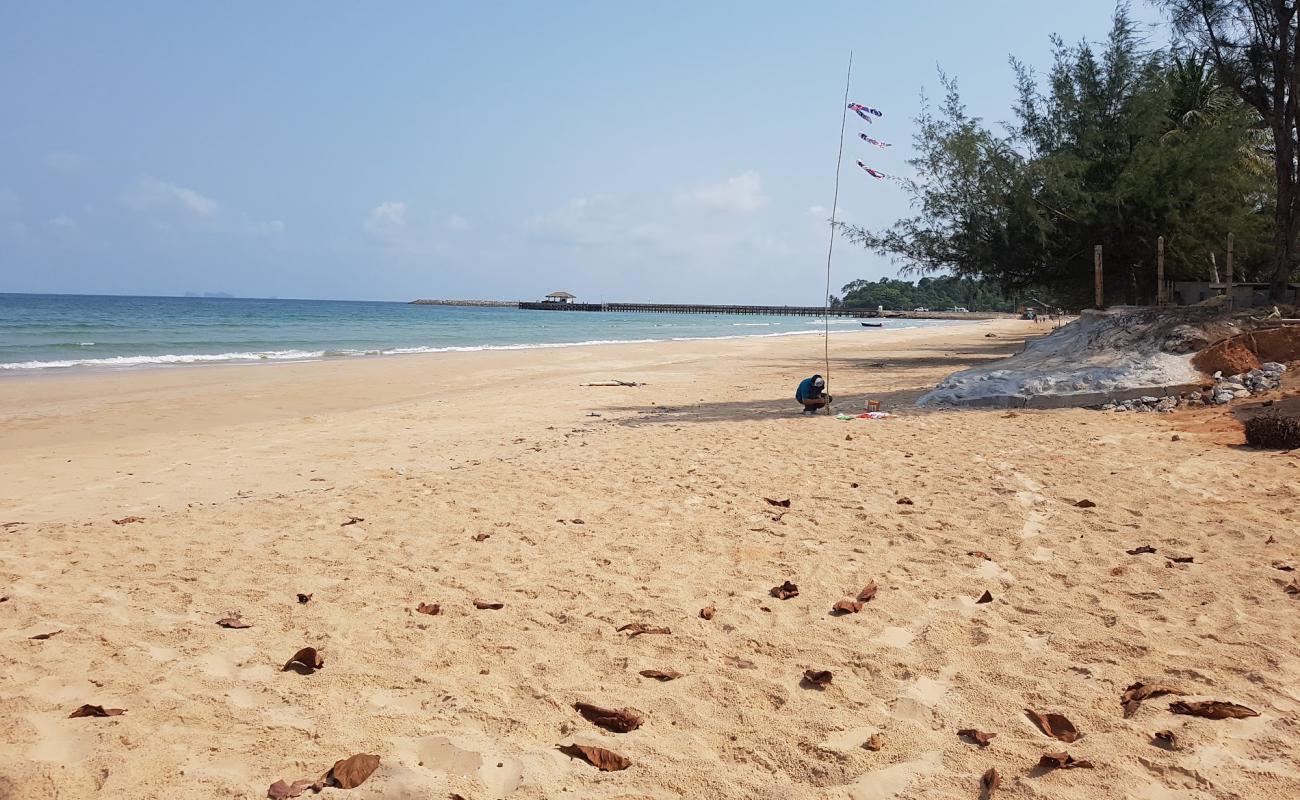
1160 271
1096 265
1229 268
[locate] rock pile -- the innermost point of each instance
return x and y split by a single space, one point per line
1226 389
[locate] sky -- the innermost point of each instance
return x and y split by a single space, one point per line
669 151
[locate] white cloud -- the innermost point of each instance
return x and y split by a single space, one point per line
741 193
65 162
386 220
456 222
150 193
63 221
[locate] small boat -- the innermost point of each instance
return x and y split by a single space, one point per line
873 324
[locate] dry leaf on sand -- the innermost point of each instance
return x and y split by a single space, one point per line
1165 739
619 720
1278 565
1181 559
987 597
432 609
1085 504
1135 694
303 598
353 521
1054 725
821 678
488 605
127 520
638 628
1139 550
482 537
233 622
304 662
785 591
1212 709
351 772
905 501
707 612
605 760
1062 761
868 592
875 743
661 674
96 711
43 636
978 737
1292 588
846 606
778 503
989 783
980 554
282 791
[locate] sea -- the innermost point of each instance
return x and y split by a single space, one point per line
71 332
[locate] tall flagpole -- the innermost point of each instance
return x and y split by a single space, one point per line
830 247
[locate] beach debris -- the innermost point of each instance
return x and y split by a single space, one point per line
234 622
283 791
778 503
846 606
1179 559
44 636
1054 725
350 772
990 780
599 757
577 522
868 592
905 501
616 382
706 612
482 537
875 743
978 737
638 628
1212 709
488 605
1165 739
661 675
432 609
1136 693
1062 760
848 437
618 720
785 591
987 597
1292 588
979 554
1271 539
1278 565
1137 551
821 678
304 598
96 711
127 520
1085 503
352 521
304 662
592 414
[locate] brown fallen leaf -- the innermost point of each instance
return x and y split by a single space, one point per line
987 597
661 675
1278 565
638 628
820 678
785 591
868 592
989 783
599 757
44 636
1271 539
303 598
351 772
707 612
1054 725
1137 551
905 501
1292 588
234 622
980 554
1135 694
619 720
488 605
577 522
482 537
352 521
1180 559
848 437
1062 761
283 791
1212 709
96 711
432 609
779 503
979 737
1085 504
1165 739
305 661
846 606
875 743
127 520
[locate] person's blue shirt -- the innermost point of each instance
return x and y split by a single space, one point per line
806 389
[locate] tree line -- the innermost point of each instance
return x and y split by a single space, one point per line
934 293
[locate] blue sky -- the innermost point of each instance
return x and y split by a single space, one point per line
632 151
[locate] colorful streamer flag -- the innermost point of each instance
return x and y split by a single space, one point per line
866 112
873 173
876 142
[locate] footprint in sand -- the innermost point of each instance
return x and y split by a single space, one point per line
60 741
499 775
885 783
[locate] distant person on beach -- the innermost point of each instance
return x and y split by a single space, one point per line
811 393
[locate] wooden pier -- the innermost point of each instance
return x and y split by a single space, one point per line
765 311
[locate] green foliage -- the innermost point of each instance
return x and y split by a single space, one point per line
936 294
1122 144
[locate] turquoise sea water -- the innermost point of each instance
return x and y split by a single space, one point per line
53 332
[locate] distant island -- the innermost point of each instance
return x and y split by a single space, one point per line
482 303
223 295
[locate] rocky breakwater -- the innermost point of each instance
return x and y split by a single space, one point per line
1224 390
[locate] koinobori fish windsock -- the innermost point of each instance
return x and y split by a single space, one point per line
876 142
873 173
866 112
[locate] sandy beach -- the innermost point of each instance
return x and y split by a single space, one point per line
375 485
